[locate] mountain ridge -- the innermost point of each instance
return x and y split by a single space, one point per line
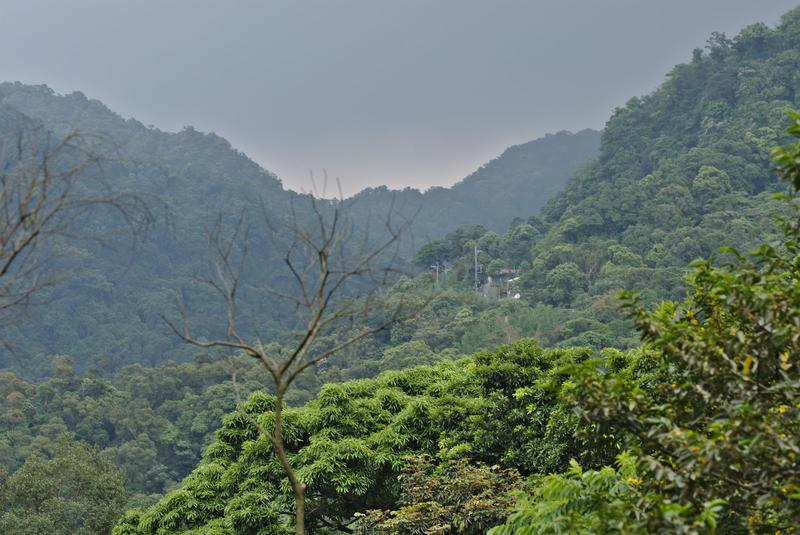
198 176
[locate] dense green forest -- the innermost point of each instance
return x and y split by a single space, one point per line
571 367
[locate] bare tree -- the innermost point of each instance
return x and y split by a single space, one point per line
47 185
338 275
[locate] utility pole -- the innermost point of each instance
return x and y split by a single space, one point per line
436 266
445 269
476 265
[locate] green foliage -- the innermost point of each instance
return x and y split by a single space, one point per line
152 423
454 497
577 501
788 158
596 501
69 489
707 409
407 354
715 424
710 184
350 444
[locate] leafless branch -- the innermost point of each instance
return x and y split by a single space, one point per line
48 186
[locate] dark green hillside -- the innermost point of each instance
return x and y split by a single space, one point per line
152 423
197 168
725 109
110 307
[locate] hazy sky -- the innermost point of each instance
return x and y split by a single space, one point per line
396 92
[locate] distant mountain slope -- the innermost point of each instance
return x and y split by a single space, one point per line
516 184
195 167
111 306
524 177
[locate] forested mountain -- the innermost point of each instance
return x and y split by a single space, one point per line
680 172
700 412
109 309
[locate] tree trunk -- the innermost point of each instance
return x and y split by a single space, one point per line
297 487
300 510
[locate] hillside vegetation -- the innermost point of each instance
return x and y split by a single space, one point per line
702 421
681 171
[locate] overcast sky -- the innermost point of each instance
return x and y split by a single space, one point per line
397 92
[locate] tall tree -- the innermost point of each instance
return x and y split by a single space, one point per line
69 490
338 276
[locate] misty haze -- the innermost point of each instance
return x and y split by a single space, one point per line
399 268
